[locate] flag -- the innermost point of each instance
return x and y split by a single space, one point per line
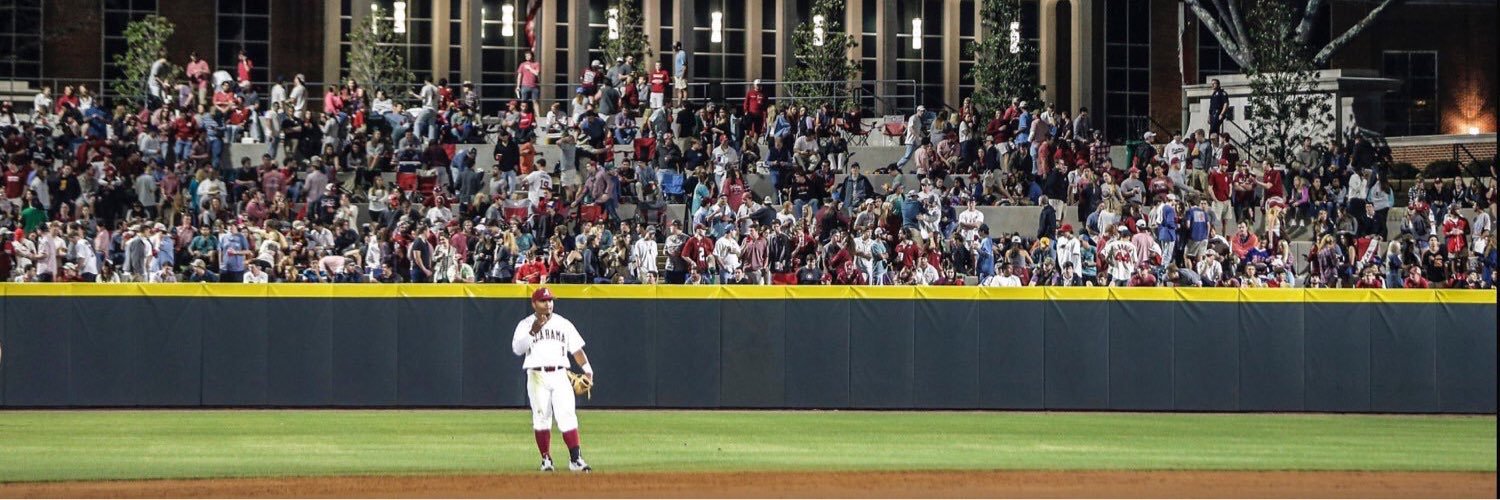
533 8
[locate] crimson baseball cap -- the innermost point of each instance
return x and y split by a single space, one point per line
541 294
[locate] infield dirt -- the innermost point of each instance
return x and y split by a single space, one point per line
967 484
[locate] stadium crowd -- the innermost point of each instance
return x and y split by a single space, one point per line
146 192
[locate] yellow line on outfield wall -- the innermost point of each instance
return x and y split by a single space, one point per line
740 292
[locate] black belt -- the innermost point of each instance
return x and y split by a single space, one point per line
549 369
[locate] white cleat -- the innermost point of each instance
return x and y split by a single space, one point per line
579 466
547 465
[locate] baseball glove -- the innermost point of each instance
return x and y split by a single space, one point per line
582 386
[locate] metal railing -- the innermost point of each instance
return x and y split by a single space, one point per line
866 94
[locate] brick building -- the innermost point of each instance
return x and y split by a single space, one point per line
1118 57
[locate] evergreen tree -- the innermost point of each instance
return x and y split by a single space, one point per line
1002 62
374 60
821 54
145 42
633 40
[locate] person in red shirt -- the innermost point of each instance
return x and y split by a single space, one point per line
1244 193
755 107
1455 231
242 69
1271 180
185 128
1414 278
697 250
1160 185
1218 182
659 79
1370 278
224 98
15 184
1143 277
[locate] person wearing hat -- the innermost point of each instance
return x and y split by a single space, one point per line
914 135
547 340
755 108
199 273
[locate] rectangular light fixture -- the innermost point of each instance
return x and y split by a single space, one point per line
375 13
507 20
1015 37
818 30
614 24
916 33
399 17
716 30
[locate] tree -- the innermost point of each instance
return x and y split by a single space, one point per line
1002 59
1235 36
145 42
374 60
632 41
821 49
1285 104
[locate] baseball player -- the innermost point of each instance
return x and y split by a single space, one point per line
546 339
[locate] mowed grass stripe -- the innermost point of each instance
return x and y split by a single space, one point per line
87 445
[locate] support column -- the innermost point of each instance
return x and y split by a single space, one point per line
1083 91
886 50
1047 50
952 15
651 16
786 22
332 35
753 51
441 29
682 27
546 50
472 34
578 41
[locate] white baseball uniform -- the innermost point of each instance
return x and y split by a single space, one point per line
546 365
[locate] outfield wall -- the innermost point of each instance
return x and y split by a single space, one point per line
758 347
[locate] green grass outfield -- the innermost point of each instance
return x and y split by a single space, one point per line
85 445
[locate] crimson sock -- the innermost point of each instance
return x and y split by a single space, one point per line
544 443
571 438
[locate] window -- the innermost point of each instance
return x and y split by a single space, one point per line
925 65
117 15
1127 70
969 14
21 40
501 54
415 46
456 40
1412 110
245 24
723 61
1213 60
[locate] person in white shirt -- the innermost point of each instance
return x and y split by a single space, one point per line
1069 249
546 340
727 252
537 182
725 158
425 125
926 274
254 274
150 147
1004 279
298 95
969 221
41 104
1175 150
1357 188
913 136
643 255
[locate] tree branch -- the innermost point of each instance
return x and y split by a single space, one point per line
1344 39
1304 28
1239 27
1233 48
